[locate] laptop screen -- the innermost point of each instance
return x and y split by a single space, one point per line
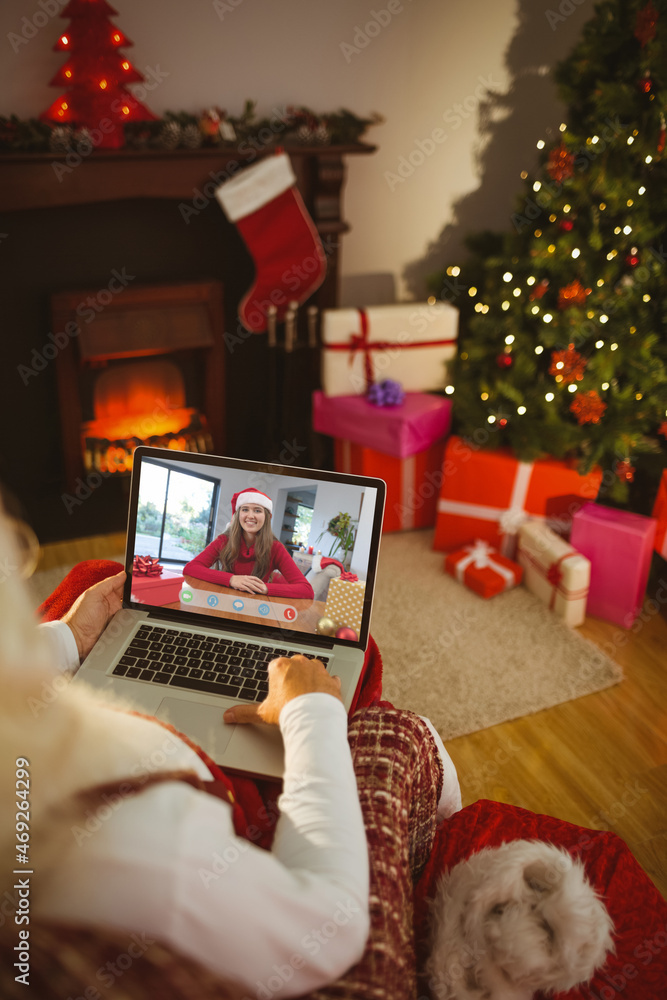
297 554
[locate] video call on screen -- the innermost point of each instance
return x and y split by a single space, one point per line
183 506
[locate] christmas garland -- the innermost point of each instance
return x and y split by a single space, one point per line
287 126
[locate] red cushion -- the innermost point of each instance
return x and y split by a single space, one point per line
638 970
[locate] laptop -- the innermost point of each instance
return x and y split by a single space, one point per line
183 648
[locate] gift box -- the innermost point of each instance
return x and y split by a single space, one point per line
660 514
412 483
554 571
619 545
157 590
345 602
489 494
483 569
409 342
404 430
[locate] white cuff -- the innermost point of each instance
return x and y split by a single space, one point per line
450 798
256 186
63 644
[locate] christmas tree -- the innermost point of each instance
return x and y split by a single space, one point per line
96 74
563 345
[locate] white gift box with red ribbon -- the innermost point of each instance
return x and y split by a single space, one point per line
554 571
409 342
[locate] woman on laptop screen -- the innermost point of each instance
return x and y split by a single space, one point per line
247 555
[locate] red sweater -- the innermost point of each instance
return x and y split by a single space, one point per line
294 585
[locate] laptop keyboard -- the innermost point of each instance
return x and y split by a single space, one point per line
198 662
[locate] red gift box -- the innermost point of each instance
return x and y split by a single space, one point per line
412 483
483 569
157 590
419 421
489 494
660 514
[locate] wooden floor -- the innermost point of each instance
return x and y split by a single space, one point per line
599 761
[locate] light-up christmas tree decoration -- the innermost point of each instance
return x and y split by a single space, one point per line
575 293
96 74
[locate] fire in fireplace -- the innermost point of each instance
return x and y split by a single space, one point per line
149 369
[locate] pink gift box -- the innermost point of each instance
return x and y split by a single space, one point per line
157 590
619 545
404 430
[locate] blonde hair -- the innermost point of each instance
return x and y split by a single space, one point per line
264 540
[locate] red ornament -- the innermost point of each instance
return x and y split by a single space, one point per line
632 260
502 422
96 75
587 407
573 294
568 366
625 472
561 164
345 632
647 18
566 225
645 84
504 361
539 290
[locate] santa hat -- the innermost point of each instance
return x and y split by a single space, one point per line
251 495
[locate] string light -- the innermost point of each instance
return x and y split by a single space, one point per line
535 310
547 317
602 206
484 396
648 159
491 419
605 386
538 233
549 397
530 280
521 410
629 203
633 329
551 248
539 349
571 387
68 74
646 298
125 109
537 185
454 270
449 389
599 344
630 140
627 230
576 252
64 40
604 318
641 190
507 276
516 292
639 395
523 175
600 282
595 139
505 306
472 291
125 65
562 127
552 217
509 339
567 208
103 84
540 143
617 230
613 347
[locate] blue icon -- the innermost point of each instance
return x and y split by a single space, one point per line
264 609
212 601
238 605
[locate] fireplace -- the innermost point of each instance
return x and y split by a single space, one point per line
145 365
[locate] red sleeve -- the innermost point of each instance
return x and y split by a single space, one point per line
297 585
200 566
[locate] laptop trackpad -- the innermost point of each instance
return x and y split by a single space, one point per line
201 722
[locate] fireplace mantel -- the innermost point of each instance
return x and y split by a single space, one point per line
46 180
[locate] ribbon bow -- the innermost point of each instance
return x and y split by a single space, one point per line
146 566
350 577
512 519
480 555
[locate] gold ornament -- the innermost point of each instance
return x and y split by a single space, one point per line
326 626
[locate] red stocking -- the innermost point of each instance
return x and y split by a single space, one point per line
270 214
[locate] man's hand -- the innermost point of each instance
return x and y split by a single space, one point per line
288 678
88 616
250 584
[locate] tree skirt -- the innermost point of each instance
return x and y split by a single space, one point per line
469 663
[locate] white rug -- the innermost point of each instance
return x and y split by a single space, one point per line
469 663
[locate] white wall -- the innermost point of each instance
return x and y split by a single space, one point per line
425 69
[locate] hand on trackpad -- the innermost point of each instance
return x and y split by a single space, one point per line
201 722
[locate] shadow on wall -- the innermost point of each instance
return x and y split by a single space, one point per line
509 126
